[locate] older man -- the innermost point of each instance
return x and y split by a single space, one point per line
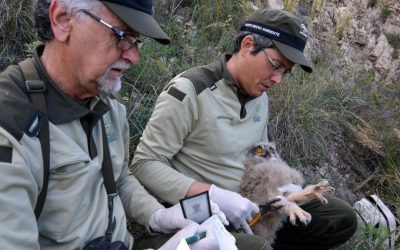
208 117
64 139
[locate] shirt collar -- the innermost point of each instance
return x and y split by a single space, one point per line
227 76
60 107
242 96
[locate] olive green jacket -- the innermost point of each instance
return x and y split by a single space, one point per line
201 129
75 210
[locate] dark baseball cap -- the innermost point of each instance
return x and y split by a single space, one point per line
287 32
137 14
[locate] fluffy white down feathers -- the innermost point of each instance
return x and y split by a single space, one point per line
267 176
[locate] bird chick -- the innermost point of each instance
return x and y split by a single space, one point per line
266 177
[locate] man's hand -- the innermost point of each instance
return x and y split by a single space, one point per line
168 220
237 209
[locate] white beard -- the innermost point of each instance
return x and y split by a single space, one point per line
108 85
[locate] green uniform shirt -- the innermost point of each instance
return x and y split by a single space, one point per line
75 210
201 129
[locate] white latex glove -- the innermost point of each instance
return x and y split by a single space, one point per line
221 216
207 243
210 242
238 210
213 225
168 220
186 232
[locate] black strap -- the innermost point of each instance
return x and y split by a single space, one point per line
109 182
106 169
36 89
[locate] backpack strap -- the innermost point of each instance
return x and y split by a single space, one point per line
36 89
109 181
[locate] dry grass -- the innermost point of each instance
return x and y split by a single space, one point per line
368 137
341 25
317 5
291 5
15 31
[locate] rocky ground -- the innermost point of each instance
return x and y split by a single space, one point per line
361 31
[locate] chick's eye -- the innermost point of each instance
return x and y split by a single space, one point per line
259 150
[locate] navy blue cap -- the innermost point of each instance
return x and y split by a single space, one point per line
137 14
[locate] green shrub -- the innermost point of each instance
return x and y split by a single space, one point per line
368 237
393 40
209 12
385 13
395 54
372 3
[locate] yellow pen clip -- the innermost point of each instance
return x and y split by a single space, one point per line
255 220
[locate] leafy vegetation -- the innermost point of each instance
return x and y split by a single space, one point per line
372 3
368 238
315 118
385 13
394 41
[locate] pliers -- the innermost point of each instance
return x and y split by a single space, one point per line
264 208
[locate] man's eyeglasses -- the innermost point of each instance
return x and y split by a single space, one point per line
126 42
278 68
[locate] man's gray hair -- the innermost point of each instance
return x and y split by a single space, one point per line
41 14
260 42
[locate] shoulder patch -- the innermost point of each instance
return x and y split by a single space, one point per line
204 77
36 123
5 154
179 95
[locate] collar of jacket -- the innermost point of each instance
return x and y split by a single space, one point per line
243 97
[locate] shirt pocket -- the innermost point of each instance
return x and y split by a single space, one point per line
69 168
219 136
70 190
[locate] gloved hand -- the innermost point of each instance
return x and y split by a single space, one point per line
237 209
215 210
207 243
210 242
168 220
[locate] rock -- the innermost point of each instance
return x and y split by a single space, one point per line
383 52
391 28
360 34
